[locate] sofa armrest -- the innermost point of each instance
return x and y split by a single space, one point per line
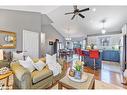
19 71
22 77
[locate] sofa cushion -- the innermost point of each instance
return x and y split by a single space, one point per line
37 59
43 59
40 75
39 65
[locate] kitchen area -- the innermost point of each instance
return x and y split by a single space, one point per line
111 47
108 47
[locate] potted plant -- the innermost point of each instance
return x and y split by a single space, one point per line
78 69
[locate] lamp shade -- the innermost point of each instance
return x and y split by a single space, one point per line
1 54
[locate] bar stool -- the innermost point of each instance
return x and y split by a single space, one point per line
81 54
94 54
77 51
86 53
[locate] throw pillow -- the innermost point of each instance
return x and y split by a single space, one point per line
35 60
29 59
50 59
17 56
52 64
39 65
27 64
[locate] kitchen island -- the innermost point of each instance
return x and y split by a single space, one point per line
89 61
104 55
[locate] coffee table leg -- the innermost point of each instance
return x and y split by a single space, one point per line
59 85
7 83
93 87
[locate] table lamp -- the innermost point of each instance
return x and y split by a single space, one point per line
1 54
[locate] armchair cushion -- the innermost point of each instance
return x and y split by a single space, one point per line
40 75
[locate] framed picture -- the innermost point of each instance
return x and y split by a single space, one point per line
50 42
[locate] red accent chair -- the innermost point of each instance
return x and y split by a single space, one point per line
94 54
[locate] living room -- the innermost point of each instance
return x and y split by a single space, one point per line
55 47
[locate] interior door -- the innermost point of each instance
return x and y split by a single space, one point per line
31 43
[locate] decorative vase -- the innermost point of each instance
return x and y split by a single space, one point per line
78 74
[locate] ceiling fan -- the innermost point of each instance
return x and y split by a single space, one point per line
77 12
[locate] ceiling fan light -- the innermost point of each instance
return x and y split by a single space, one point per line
103 31
68 38
94 9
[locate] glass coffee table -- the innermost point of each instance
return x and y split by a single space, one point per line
69 84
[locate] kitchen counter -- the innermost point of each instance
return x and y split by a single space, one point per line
104 55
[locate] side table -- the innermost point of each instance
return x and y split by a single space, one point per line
6 76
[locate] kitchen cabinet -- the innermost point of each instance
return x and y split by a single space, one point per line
111 55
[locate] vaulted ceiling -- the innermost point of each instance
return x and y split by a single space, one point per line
115 17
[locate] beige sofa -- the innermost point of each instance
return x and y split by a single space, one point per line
23 79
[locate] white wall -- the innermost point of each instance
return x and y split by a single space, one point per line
17 21
114 40
50 35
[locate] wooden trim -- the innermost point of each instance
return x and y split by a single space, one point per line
7 32
7 47
3 76
61 84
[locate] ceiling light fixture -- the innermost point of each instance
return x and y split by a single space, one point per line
94 9
103 31
68 38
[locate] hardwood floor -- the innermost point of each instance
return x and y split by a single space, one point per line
109 73
106 76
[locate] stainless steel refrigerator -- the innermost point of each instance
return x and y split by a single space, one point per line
123 52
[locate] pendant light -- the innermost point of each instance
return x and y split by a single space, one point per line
68 38
103 31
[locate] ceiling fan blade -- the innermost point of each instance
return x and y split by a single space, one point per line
69 13
75 7
82 16
73 17
84 10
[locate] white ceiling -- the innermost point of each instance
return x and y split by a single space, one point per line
115 17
